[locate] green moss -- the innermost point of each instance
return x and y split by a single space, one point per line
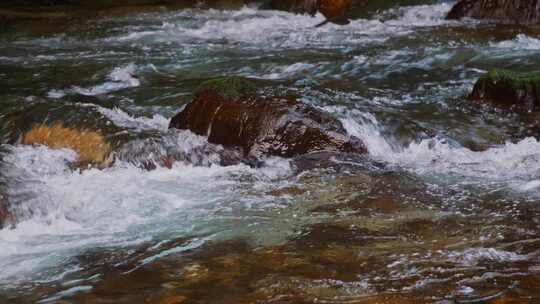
515 80
228 87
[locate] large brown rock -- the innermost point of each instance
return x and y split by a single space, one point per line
507 11
230 113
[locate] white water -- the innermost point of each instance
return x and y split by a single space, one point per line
521 42
116 207
514 165
118 79
273 29
123 119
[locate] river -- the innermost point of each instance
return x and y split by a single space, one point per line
444 210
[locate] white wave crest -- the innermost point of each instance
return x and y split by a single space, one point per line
516 165
120 78
473 256
521 42
123 119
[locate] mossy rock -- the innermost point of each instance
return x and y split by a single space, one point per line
509 89
228 87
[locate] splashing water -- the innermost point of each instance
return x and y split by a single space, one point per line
395 80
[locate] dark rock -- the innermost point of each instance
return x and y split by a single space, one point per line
509 90
5 215
507 11
334 10
231 114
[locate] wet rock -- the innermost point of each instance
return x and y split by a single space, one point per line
230 113
334 10
195 273
91 147
509 90
5 215
507 11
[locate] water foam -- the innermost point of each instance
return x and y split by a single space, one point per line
63 212
514 165
521 42
141 123
473 256
283 29
120 78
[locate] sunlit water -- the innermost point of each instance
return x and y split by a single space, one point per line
396 80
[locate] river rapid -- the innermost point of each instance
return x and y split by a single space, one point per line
444 210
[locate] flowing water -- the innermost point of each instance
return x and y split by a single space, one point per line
444 210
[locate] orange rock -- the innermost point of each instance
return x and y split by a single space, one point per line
90 146
333 9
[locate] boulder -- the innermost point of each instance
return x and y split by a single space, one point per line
334 10
509 90
507 11
230 113
92 148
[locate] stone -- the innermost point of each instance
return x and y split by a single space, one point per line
506 11
91 147
230 113
509 90
5 215
334 10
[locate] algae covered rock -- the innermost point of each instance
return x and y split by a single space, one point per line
507 11
231 113
508 89
228 87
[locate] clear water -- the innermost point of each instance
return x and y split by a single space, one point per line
396 80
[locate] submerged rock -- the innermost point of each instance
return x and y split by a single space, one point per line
509 90
174 147
230 113
5 215
508 11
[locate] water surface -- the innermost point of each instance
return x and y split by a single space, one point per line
445 208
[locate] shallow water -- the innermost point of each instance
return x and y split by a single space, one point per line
445 208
